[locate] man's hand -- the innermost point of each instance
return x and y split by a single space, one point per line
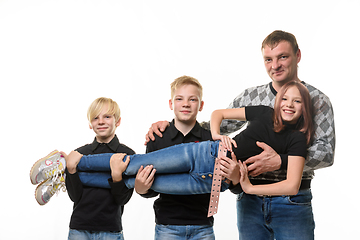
267 161
230 168
118 166
144 179
156 128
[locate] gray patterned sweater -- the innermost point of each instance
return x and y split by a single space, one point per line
321 151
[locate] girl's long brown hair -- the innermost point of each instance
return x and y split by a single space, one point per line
305 122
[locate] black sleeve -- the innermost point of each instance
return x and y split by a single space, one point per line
236 189
74 186
151 193
120 192
253 112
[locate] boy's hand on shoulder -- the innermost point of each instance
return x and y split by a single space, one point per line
156 128
144 179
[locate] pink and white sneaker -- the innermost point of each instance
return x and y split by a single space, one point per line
51 166
45 190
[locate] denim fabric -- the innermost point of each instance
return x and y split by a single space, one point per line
177 232
282 217
95 179
191 164
94 235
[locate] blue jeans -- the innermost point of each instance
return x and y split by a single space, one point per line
177 232
282 217
191 164
94 235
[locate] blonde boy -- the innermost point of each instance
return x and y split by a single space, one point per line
179 216
97 211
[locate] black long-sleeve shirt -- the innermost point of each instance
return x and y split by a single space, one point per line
98 209
180 209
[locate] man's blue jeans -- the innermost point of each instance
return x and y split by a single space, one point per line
177 232
282 217
181 169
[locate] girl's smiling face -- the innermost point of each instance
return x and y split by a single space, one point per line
291 105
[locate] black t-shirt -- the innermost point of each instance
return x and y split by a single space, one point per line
180 209
261 128
98 209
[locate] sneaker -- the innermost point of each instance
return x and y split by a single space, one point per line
45 190
51 165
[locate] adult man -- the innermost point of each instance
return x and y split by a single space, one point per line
268 217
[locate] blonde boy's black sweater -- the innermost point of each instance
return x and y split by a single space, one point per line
98 209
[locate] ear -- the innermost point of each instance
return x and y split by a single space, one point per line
201 106
118 122
90 126
298 56
171 104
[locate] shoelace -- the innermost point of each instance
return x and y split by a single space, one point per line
51 172
56 182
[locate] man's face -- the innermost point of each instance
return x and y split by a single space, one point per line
186 103
281 63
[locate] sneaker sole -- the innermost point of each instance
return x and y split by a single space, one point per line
39 196
33 181
40 202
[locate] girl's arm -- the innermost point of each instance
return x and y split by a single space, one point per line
290 186
216 118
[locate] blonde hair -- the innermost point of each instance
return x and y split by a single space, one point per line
184 80
98 105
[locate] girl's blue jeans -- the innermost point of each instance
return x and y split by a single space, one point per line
182 169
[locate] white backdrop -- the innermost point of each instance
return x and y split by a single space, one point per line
56 57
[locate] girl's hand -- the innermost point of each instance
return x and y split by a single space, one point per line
244 177
227 141
230 168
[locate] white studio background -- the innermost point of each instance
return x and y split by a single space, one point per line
56 57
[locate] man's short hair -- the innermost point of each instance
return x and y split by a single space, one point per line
274 38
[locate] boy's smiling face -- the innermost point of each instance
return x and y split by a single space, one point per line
104 126
186 103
